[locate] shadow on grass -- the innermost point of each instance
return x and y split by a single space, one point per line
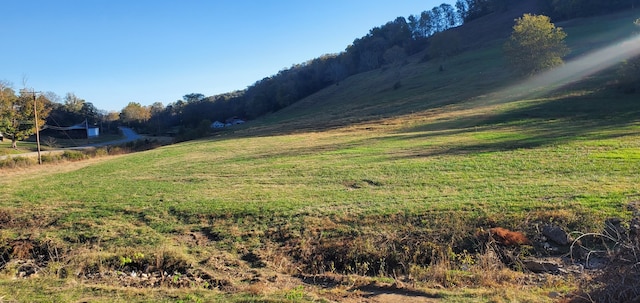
594 117
599 116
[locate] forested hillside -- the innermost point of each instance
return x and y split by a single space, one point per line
431 35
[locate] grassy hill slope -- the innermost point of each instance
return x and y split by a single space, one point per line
384 182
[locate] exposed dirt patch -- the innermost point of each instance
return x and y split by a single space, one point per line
330 260
390 293
188 278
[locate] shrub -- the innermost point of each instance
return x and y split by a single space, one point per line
17 162
535 45
101 152
73 155
50 158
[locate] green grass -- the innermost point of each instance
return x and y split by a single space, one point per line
359 164
46 144
23 147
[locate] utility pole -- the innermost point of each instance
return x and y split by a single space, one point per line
35 114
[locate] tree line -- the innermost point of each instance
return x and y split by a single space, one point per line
18 110
383 46
388 45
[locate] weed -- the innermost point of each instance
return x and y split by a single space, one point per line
176 277
124 261
295 294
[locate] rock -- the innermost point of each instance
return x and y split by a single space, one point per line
556 234
542 265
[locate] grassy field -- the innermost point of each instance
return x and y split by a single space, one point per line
358 186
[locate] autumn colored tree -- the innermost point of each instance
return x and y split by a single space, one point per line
135 113
17 115
535 45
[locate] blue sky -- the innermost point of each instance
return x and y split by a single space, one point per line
112 52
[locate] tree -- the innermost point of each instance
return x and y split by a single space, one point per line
157 111
72 103
135 112
90 113
462 7
414 26
438 19
110 117
17 118
426 23
535 45
193 97
449 15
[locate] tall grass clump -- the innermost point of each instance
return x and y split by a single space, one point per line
73 155
17 162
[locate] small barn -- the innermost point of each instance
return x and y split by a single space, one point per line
78 131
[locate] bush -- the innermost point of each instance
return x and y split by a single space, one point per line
73 155
142 145
49 158
535 45
17 162
101 152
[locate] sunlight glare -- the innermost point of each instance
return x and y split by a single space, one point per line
573 71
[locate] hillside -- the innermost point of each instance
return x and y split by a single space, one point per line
371 96
497 25
390 186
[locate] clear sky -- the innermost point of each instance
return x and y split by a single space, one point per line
112 52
